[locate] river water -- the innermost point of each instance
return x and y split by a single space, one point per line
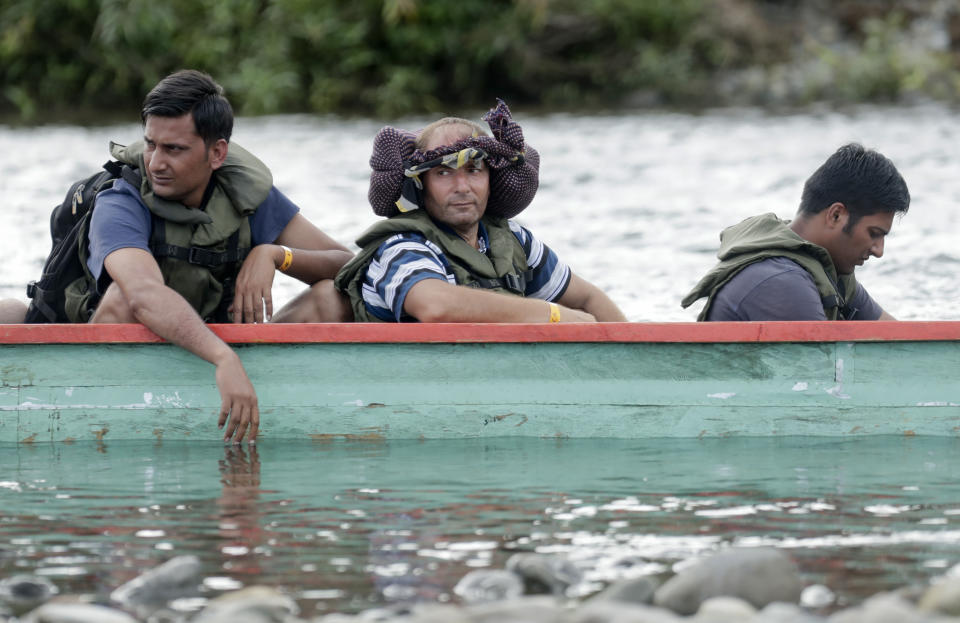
634 203
350 526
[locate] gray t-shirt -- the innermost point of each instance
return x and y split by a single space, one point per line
779 289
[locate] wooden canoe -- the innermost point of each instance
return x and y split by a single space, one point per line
65 383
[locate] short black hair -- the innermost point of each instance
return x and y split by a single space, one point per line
192 91
863 180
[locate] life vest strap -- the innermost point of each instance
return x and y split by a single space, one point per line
514 282
196 255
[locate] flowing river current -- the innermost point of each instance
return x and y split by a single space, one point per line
633 203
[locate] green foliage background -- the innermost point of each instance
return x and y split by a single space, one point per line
390 57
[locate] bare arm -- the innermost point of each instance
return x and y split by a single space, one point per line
168 314
581 294
316 256
435 300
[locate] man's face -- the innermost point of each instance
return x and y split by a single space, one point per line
852 246
178 162
457 197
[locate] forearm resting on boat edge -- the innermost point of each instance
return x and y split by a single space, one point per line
168 314
434 300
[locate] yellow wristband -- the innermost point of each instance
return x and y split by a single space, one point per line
287 259
554 312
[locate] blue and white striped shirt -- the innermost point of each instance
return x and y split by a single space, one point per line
404 260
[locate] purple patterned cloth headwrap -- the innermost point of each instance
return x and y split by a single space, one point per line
514 167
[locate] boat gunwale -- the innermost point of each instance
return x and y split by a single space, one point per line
452 333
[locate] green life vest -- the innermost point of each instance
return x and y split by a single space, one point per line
502 269
765 236
199 251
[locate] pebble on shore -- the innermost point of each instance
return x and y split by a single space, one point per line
734 586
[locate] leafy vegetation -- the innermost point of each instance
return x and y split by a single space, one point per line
390 57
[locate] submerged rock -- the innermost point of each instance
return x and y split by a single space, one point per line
524 610
484 585
758 576
406 613
176 578
724 609
67 612
437 613
943 597
23 593
780 612
884 608
165 615
544 574
254 604
620 612
390 612
634 590
817 596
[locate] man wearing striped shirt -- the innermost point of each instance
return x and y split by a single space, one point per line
449 251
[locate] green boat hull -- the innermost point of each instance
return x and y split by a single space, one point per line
461 387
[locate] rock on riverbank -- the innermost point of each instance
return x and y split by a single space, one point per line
735 586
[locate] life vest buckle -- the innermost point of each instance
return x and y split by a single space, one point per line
515 283
204 257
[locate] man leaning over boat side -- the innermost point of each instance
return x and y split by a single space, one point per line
194 232
771 269
448 250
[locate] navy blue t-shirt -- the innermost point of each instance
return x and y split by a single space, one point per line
780 289
122 221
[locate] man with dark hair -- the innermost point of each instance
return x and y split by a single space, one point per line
449 251
193 232
803 270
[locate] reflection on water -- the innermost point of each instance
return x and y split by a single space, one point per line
345 526
633 202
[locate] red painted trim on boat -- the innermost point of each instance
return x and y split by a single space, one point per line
486 333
